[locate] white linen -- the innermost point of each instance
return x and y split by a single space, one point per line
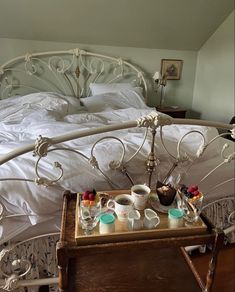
43 203
15 109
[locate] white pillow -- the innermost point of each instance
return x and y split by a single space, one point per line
100 88
114 100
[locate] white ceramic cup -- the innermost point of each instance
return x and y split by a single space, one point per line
140 194
121 205
151 219
134 220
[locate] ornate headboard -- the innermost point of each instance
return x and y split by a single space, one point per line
67 72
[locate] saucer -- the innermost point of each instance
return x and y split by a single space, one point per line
156 205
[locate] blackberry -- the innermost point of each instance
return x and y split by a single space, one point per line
184 190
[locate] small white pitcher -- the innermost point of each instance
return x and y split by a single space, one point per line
134 221
151 219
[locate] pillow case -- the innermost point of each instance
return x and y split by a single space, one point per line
100 88
125 98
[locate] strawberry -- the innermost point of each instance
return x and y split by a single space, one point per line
85 195
92 197
195 193
190 190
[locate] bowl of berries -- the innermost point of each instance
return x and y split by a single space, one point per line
191 202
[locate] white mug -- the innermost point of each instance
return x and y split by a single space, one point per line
121 205
134 220
140 194
151 219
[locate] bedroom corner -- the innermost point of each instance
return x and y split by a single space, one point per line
117 146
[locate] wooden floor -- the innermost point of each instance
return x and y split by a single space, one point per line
225 273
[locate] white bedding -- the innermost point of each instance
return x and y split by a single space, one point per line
23 119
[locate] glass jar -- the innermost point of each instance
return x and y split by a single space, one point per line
89 217
107 224
175 218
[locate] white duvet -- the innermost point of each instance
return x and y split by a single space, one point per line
23 119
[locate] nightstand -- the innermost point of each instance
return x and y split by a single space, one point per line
174 112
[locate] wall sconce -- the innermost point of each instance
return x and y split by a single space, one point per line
160 82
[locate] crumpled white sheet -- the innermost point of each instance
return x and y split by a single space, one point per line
51 119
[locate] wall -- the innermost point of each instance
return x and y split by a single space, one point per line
214 83
178 92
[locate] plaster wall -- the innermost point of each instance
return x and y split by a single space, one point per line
214 84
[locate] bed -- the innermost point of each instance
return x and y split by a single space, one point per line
76 120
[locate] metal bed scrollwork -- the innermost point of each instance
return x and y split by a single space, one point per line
68 72
77 73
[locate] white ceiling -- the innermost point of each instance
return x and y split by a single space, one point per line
161 24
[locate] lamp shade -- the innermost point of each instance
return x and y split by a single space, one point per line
157 76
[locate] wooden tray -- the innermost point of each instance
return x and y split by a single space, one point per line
123 234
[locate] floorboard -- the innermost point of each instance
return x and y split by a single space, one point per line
225 273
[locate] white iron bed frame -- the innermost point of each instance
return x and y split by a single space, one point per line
72 72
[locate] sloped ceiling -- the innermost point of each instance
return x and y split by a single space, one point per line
159 24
